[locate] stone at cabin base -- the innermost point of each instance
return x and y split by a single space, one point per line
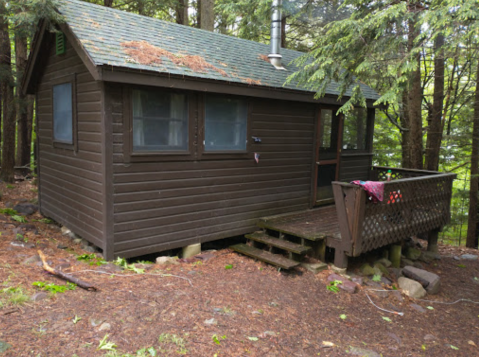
167 260
411 288
367 270
191 250
413 253
433 280
315 268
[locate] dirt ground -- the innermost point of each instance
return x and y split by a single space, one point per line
223 305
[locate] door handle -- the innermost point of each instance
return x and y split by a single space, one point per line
318 163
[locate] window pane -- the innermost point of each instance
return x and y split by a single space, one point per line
355 129
326 128
225 124
62 113
160 121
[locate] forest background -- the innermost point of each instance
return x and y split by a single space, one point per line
421 56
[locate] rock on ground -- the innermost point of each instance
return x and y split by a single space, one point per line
385 262
39 296
367 270
356 351
432 280
167 260
315 268
411 288
25 209
413 253
346 285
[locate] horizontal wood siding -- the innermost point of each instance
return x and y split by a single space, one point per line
71 187
356 167
163 205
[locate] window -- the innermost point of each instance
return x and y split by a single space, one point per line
326 128
225 124
64 112
355 130
160 121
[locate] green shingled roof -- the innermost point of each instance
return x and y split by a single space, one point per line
102 31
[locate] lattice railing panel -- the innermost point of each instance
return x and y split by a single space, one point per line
410 206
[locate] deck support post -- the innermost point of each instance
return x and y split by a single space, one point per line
395 255
340 259
432 241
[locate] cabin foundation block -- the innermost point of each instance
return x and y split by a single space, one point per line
191 250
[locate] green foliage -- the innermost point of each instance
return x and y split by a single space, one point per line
124 264
229 266
386 319
10 187
217 339
376 277
172 343
13 296
343 317
54 289
8 211
91 259
333 286
106 345
20 219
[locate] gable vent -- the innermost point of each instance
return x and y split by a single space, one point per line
60 43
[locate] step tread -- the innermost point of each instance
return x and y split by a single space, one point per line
278 243
274 259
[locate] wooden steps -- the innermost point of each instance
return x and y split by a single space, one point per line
293 235
278 243
265 256
263 247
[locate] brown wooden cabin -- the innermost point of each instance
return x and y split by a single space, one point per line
143 147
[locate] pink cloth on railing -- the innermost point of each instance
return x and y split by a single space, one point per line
374 189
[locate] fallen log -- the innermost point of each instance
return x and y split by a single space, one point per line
82 284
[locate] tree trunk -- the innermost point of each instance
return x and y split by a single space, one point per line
471 241
1 129
23 140
434 133
415 101
6 84
198 13
182 12
283 32
406 134
108 3
207 15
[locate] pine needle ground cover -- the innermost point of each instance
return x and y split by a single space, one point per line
228 305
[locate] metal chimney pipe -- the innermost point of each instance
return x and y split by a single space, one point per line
275 56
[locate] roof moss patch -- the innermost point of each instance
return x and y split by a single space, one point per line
145 53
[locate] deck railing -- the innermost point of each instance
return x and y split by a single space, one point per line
415 202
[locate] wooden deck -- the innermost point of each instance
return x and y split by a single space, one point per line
314 224
416 201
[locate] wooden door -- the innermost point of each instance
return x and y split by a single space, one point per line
327 154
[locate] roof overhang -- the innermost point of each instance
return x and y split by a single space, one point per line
166 80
